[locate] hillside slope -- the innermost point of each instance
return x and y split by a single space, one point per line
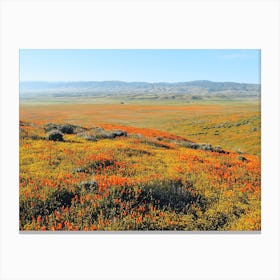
95 178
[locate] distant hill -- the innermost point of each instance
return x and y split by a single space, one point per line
195 89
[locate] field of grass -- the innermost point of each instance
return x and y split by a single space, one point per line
175 166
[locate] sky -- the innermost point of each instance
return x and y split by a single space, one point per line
143 65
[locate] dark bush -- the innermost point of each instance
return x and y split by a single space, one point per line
55 135
64 128
67 129
119 133
219 150
33 208
59 198
242 158
172 195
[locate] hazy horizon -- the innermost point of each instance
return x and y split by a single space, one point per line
136 81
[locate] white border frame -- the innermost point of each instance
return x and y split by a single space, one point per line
139 24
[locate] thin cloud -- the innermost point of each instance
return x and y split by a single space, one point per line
232 55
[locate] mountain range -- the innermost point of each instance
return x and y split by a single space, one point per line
199 89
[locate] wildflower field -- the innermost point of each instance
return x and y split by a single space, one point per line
87 166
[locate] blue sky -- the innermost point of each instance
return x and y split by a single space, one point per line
140 65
